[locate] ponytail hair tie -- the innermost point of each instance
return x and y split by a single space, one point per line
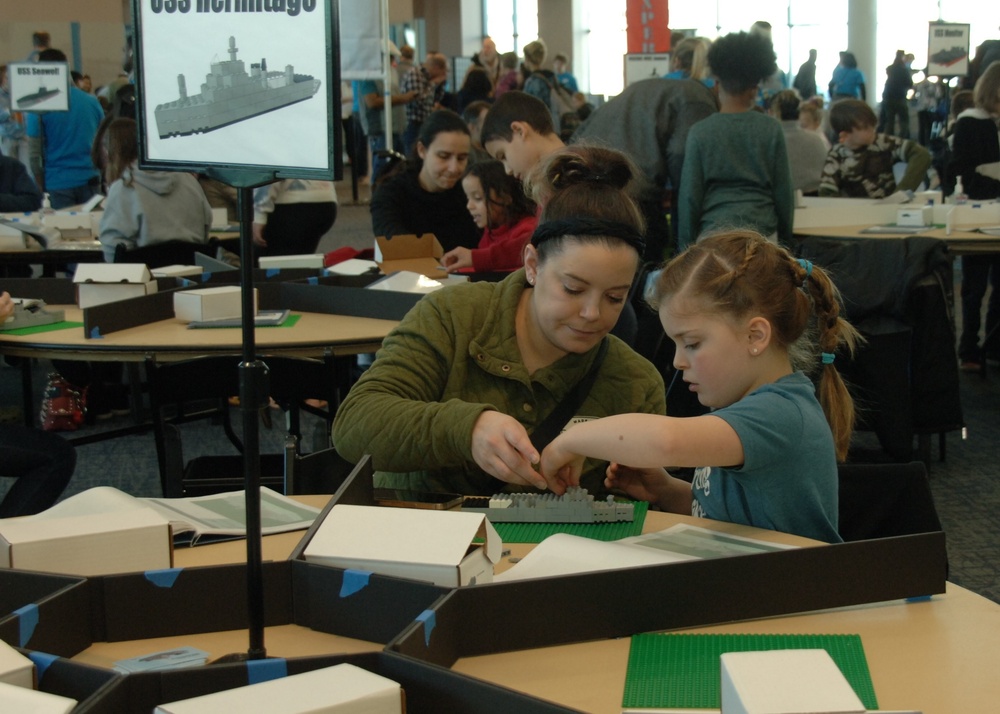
807 266
827 357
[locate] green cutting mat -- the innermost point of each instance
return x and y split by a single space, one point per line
671 671
52 327
537 532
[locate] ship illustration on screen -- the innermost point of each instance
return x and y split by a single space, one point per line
229 95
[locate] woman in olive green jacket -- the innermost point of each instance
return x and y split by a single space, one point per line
458 387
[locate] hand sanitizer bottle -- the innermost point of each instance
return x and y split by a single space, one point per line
46 204
959 198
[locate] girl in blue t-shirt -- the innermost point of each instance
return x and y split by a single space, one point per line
745 317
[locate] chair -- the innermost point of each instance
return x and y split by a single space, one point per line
190 384
320 472
158 255
905 377
885 500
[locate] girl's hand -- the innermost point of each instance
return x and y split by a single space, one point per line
560 468
456 259
501 447
639 484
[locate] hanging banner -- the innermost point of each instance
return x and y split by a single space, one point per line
361 40
647 26
238 84
947 49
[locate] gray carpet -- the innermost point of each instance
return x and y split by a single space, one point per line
966 485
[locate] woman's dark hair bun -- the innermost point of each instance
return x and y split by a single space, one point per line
596 165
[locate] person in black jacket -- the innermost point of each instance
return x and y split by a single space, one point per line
18 191
976 159
423 194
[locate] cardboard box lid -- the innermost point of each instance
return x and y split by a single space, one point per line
407 247
407 535
203 292
15 668
112 273
786 682
340 688
19 699
419 254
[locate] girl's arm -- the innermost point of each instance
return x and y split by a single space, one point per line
640 441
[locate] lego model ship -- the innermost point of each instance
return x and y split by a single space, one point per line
231 95
30 100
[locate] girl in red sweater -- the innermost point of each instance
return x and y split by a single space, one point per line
499 206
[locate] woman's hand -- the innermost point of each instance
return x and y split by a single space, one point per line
6 306
990 170
456 259
258 235
501 448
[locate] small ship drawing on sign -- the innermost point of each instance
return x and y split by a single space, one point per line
30 100
230 95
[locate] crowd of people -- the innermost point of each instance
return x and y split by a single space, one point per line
693 175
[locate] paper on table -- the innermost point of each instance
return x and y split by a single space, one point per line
564 554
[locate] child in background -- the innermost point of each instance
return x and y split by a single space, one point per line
736 171
860 165
811 118
506 215
744 315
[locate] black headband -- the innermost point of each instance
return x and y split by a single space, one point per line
585 226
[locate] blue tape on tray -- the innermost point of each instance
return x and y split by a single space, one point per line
205 277
354 582
163 578
919 598
313 281
429 618
27 621
42 661
271 272
266 670
95 333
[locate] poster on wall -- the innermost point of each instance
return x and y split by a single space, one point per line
639 67
250 84
947 49
39 86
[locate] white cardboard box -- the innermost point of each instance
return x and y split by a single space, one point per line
89 544
915 216
100 283
433 546
66 220
785 682
203 304
15 668
291 261
18 699
341 689
177 271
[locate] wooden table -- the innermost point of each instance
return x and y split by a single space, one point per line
314 335
962 240
938 656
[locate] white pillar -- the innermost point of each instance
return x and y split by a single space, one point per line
862 30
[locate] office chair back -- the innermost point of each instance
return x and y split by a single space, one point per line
885 500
